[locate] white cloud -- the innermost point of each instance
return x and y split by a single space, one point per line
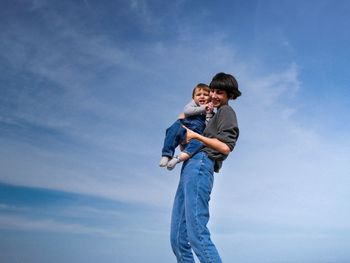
50 225
269 89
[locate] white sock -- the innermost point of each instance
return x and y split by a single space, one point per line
164 161
173 162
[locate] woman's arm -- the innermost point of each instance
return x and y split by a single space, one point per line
213 143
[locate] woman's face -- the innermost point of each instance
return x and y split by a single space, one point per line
218 97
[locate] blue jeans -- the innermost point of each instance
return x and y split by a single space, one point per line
190 213
176 134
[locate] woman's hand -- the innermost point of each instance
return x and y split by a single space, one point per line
190 134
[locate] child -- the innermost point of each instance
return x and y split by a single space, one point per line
197 113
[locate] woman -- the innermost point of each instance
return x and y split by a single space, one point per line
190 213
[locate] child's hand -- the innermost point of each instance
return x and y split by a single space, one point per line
209 107
181 116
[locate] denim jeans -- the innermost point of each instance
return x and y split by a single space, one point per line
176 134
190 213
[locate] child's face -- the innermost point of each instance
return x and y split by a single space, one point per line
201 96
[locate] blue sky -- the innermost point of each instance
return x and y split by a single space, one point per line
89 87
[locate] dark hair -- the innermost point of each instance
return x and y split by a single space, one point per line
227 82
200 86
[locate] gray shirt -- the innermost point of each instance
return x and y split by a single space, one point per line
224 127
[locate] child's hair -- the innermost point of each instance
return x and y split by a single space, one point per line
227 82
200 86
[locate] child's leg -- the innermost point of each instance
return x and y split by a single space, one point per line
190 149
174 136
183 156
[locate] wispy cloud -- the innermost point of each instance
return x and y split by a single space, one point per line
25 224
88 89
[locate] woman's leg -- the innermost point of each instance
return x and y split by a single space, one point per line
178 233
198 183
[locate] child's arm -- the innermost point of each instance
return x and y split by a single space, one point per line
193 109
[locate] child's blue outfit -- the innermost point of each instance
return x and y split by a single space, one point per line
195 119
